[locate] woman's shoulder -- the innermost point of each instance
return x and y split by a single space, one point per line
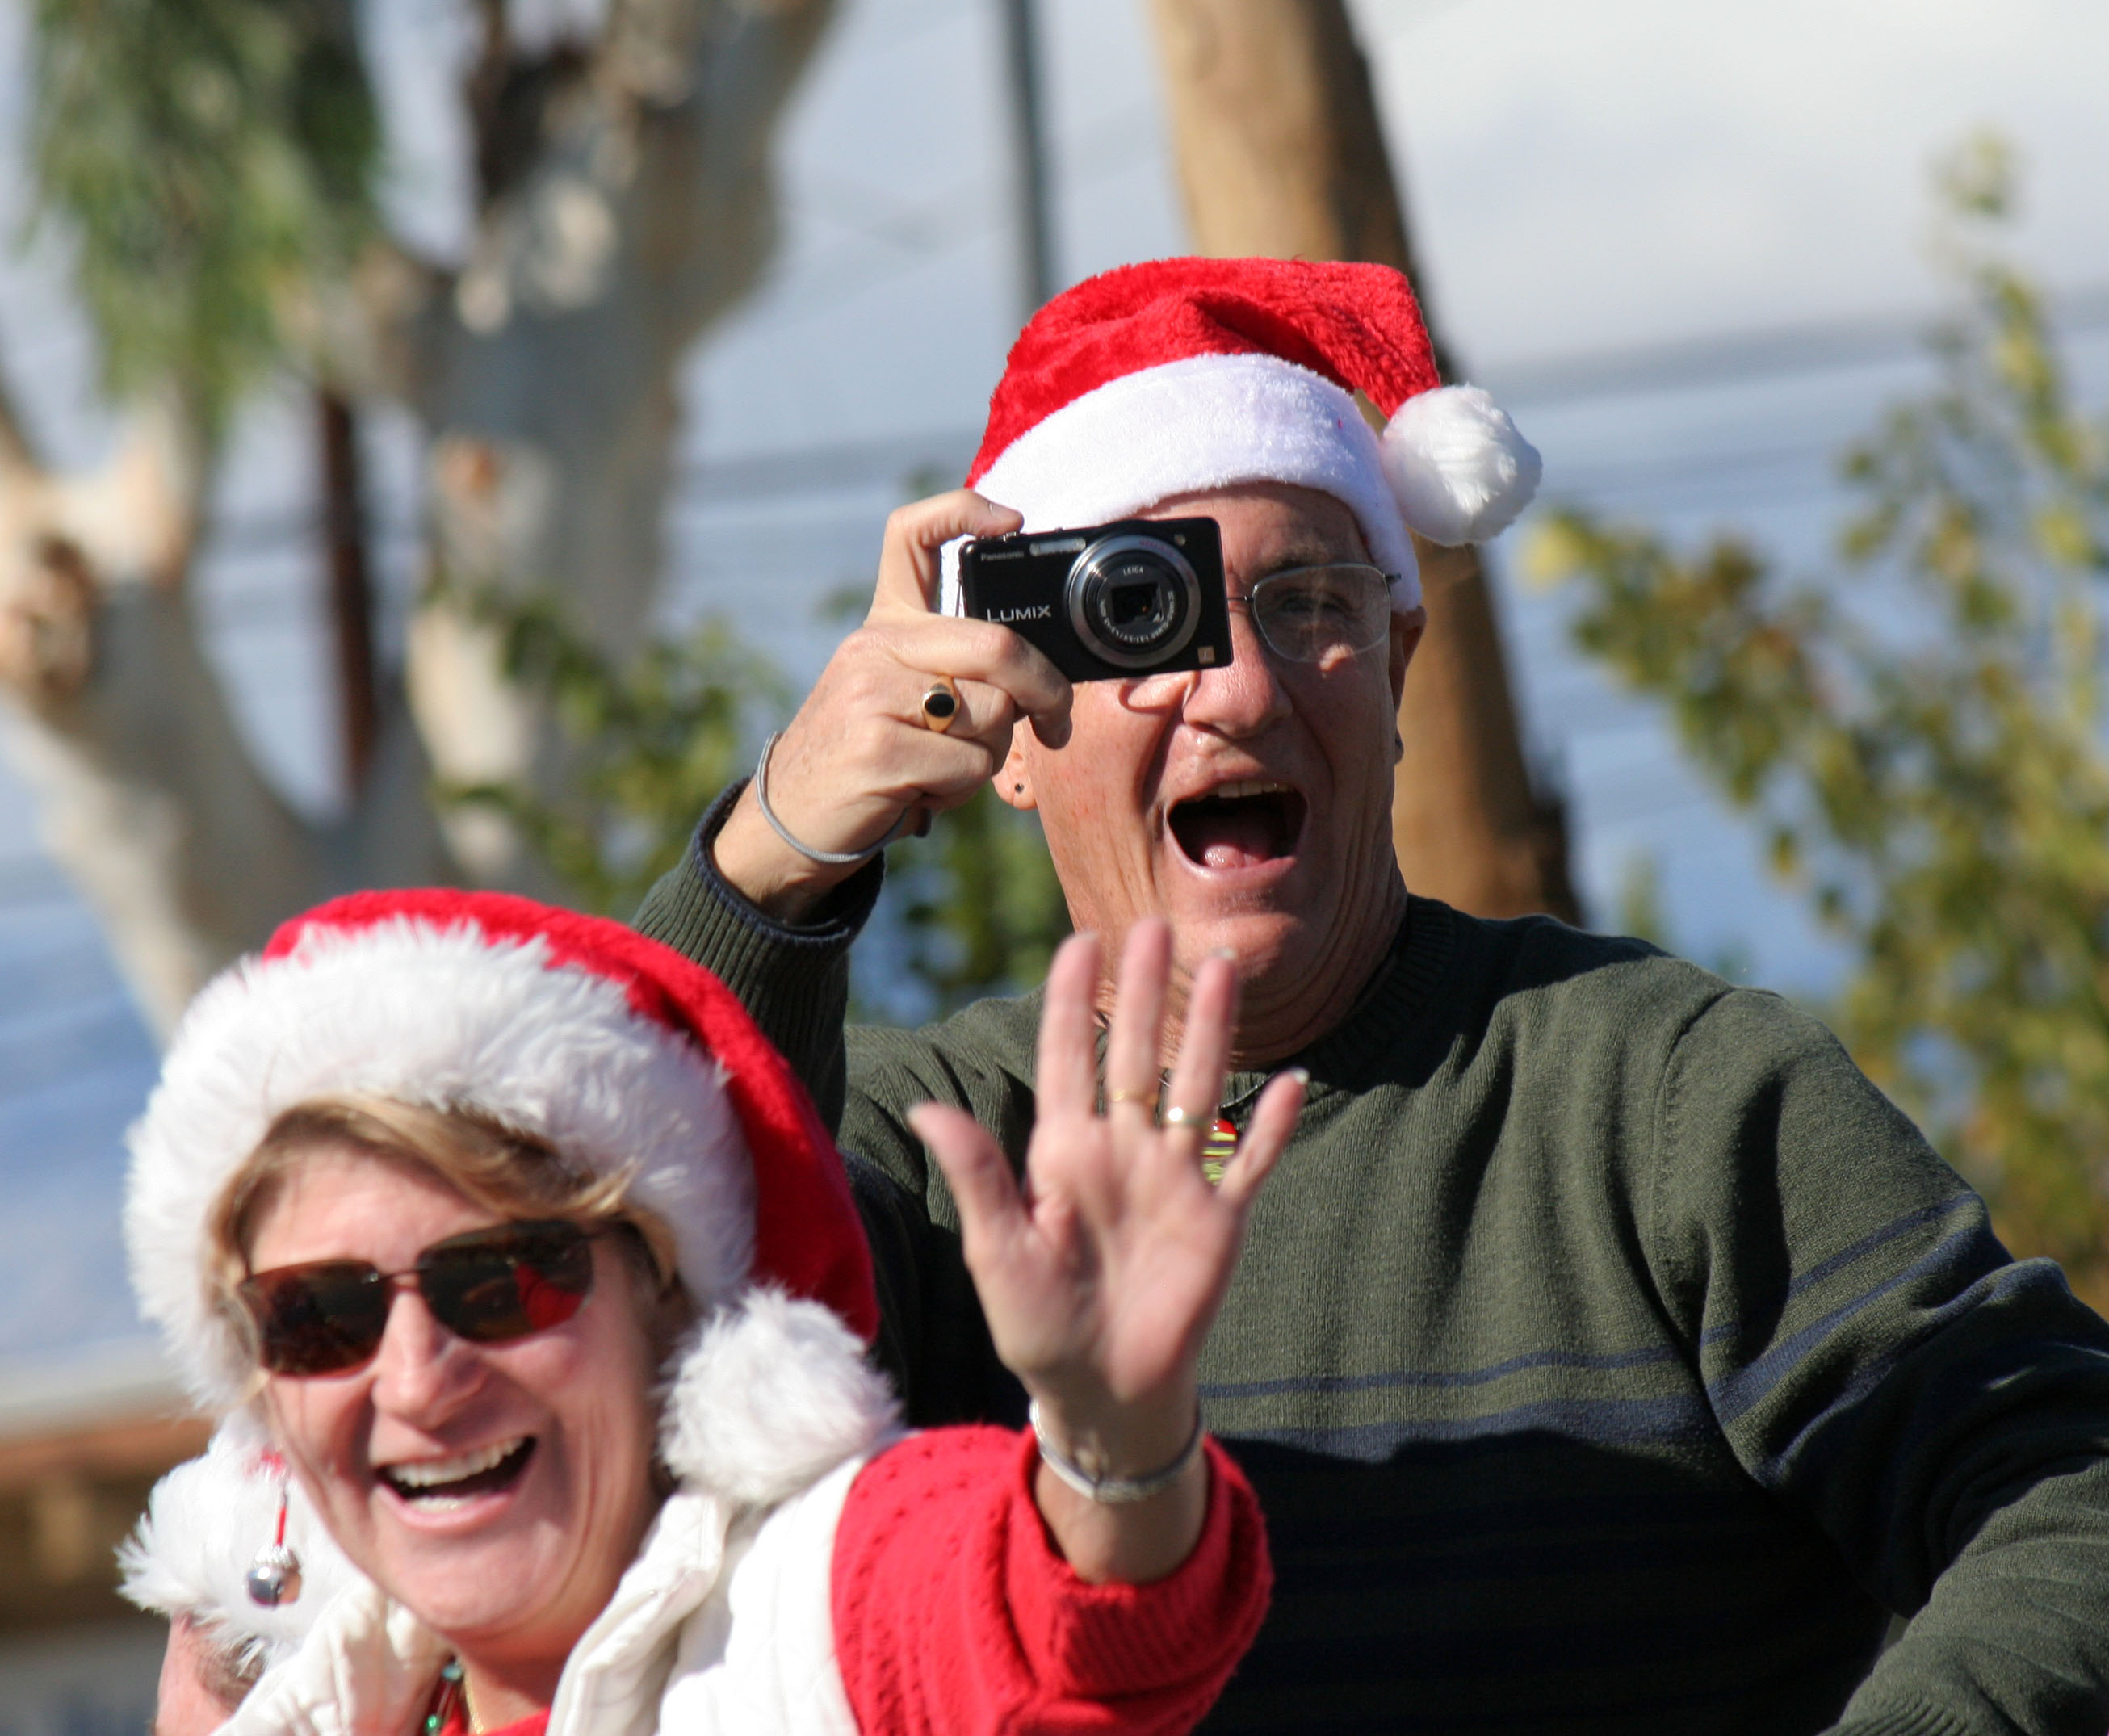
915 1505
758 1656
935 1462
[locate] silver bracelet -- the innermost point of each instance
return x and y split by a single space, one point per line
1113 1491
825 858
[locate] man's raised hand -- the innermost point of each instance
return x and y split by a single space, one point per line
858 756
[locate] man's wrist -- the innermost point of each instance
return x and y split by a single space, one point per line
696 910
759 867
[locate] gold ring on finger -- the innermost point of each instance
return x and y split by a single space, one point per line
1147 1099
940 705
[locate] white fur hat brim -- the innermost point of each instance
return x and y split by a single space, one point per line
1450 464
440 1016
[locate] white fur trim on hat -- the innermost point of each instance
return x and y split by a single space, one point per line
775 1394
1204 423
1459 468
1450 465
204 1524
445 1017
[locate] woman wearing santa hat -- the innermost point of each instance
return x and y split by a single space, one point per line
536 1267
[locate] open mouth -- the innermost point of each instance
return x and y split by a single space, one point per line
447 1482
1239 825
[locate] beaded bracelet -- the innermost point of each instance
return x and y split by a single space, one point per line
1113 1491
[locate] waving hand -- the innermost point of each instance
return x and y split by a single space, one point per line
1101 1275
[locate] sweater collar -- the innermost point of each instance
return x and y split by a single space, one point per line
1392 1006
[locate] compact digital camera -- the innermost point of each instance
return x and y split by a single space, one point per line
1129 598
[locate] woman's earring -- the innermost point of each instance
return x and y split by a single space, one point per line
274 1576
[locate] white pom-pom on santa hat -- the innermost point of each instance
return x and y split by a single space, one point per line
1185 375
1460 470
775 1394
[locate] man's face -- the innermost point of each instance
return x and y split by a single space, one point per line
1249 805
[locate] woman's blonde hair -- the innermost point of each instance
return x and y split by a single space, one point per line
507 1172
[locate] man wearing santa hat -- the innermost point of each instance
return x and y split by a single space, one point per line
1608 1353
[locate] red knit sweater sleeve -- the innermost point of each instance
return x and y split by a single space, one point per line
953 1612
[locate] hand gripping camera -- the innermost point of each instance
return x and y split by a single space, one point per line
1135 597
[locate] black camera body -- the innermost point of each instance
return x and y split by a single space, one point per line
1110 602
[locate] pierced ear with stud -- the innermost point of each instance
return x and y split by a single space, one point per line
1013 782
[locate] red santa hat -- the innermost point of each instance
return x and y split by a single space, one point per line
1185 374
613 1049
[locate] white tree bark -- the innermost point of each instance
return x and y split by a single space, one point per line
637 209
144 795
150 802
545 372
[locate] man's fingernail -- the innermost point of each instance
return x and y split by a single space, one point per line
1302 1075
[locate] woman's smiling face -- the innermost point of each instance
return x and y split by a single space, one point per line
497 1490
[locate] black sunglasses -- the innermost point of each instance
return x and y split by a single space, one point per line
486 1285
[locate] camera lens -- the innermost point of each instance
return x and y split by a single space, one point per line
1134 601
1138 606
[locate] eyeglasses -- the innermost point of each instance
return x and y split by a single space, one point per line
1306 614
486 1285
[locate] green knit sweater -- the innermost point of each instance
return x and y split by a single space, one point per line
1609 1354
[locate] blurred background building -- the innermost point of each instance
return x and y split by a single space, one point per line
1688 248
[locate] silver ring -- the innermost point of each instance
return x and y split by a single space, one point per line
1176 1117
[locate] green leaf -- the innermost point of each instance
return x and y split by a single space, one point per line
1936 782
214 160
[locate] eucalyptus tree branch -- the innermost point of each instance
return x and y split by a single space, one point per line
145 793
631 205
18 457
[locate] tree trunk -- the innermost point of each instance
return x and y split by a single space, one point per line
1281 154
545 373
351 587
147 798
145 794
628 203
